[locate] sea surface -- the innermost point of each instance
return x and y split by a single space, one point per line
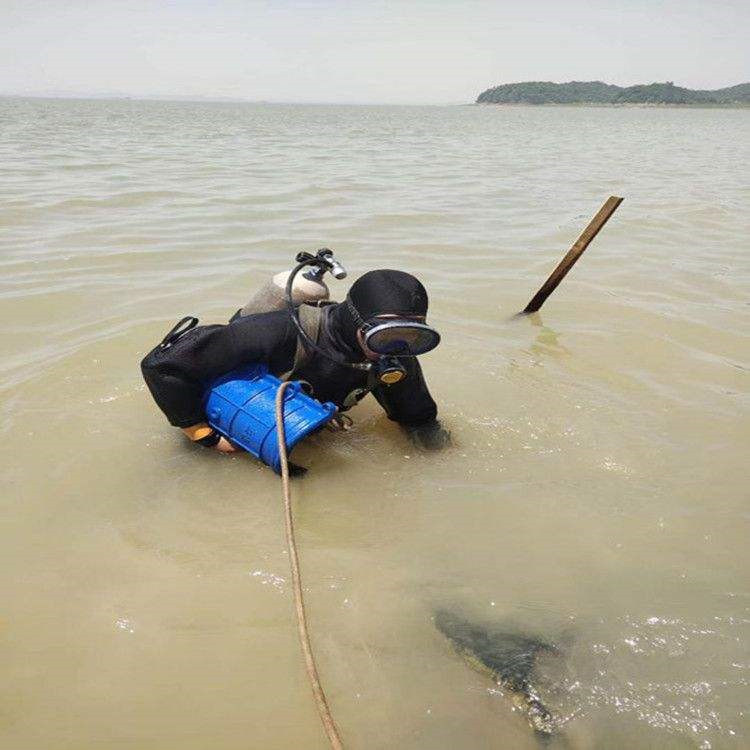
596 495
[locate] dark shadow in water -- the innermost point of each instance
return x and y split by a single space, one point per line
509 657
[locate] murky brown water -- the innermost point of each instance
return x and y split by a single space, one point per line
597 494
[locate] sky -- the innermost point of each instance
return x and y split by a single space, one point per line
376 51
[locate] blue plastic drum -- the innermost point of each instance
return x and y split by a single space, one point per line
242 407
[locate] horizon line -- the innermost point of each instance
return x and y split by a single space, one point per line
197 99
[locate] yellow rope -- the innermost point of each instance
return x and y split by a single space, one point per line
299 604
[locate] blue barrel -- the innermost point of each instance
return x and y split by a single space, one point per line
242 407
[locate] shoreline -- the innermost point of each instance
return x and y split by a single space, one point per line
622 105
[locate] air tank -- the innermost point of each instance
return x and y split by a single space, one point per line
308 288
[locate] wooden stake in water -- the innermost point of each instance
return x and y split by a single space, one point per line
575 252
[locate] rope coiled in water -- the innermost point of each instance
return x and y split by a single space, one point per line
304 637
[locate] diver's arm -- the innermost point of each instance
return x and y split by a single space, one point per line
178 375
409 403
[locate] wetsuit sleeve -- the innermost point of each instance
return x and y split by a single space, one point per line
178 375
408 402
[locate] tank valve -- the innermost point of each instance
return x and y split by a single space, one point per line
325 262
338 271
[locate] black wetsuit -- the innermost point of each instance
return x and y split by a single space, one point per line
179 375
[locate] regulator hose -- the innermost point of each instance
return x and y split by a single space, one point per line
305 259
304 637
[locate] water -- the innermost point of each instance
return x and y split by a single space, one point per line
597 494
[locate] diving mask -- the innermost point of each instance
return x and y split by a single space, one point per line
399 337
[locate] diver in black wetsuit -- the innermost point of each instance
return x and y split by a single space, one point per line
178 375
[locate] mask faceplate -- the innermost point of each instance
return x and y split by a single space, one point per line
400 337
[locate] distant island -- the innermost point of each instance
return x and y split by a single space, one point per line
596 92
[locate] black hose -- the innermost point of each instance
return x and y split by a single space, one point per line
293 314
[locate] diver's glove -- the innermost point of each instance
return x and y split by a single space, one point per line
429 436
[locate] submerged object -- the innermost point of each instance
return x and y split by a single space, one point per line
507 657
241 406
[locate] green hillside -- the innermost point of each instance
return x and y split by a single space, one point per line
597 92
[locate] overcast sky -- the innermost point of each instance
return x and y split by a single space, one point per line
370 51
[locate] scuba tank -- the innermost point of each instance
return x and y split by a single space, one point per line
308 288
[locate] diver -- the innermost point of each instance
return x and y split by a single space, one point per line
366 344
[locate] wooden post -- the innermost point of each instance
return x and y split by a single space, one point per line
575 252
